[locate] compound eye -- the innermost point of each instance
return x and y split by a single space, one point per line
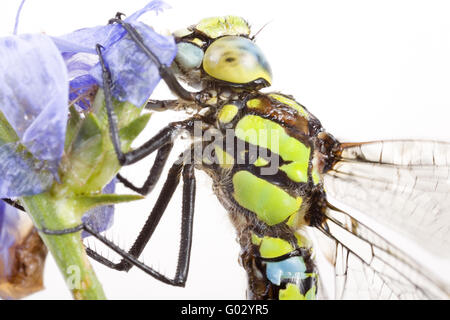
236 60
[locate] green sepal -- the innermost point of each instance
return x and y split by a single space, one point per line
131 131
125 112
130 124
83 156
73 125
7 133
84 203
90 128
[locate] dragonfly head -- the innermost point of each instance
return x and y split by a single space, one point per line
220 49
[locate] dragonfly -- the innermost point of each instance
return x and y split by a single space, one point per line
276 170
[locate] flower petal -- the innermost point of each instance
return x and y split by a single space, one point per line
134 74
34 94
101 218
22 175
84 40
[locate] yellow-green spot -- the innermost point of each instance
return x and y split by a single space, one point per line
212 101
215 27
260 162
270 203
254 103
256 240
315 175
301 240
293 220
227 113
296 171
198 42
291 103
292 292
225 159
274 247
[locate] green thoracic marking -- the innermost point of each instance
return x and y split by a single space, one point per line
227 113
296 171
274 247
294 219
292 292
268 134
291 103
270 203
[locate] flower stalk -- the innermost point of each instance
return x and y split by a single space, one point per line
88 165
67 250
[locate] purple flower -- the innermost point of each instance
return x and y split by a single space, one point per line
134 75
39 75
34 101
34 91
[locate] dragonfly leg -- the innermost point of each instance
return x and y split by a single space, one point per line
155 172
77 228
14 204
130 258
119 15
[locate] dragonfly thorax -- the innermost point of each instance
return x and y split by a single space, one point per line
264 152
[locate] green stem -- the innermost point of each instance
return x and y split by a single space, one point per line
88 164
67 250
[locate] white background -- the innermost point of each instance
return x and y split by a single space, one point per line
366 69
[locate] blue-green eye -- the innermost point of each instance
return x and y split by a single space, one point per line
189 56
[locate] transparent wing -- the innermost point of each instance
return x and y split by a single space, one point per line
403 185
369 267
